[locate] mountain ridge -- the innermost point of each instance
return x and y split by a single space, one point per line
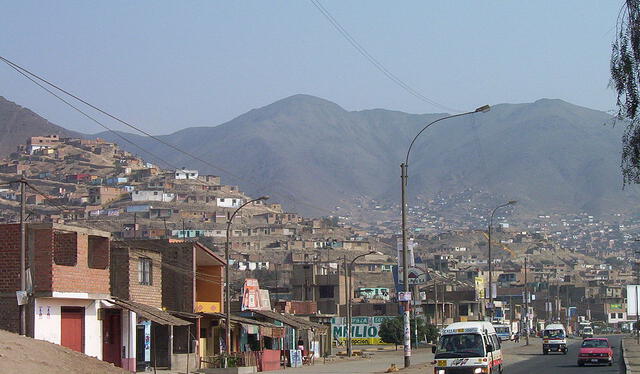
549 154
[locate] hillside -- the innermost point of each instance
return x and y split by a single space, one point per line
18 123
549 155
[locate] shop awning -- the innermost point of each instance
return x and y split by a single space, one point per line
293 321
150 313
265 328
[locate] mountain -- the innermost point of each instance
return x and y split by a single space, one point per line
310 153
18 123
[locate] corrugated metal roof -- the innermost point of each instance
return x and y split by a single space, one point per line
150 313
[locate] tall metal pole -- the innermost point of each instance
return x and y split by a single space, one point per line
405 266
23 280
490 272
349 296
405 270
526 301
227 291
637 302
347 302
491 310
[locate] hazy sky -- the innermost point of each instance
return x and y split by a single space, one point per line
167 65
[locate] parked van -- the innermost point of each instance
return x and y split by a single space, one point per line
554 339
468 347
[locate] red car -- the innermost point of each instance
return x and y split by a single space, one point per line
595 351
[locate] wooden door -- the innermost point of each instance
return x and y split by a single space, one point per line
112 337
72 328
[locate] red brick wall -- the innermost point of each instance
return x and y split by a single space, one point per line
142 293
119 272
80 278
10 258
178 279
65 250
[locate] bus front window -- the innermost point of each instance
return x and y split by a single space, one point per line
460 345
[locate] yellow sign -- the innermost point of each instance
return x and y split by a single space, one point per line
442 362
479 283
208 307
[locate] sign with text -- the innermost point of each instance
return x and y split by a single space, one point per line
364 330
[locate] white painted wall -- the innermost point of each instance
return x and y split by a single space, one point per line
147 195
47 322
229 202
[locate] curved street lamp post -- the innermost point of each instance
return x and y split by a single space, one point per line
227 286
348 286
492 309
404 166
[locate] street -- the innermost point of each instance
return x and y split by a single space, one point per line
519 359
558 363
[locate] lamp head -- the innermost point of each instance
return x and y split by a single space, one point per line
483 109
512 202
263 198
376 253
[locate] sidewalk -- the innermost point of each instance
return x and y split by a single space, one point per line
631 354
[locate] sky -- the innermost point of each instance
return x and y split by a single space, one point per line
167 65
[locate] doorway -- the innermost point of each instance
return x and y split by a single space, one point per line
112 337
72 328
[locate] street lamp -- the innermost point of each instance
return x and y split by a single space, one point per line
511 202
403 176
348 285
227 293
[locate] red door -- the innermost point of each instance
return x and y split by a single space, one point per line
111 337
72 328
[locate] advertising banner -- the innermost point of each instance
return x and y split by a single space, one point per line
364 330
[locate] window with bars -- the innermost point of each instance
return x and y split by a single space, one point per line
144 271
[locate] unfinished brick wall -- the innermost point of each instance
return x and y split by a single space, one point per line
147 294
9 258
9 276
178 281
80 278
65 250
98 252
119 272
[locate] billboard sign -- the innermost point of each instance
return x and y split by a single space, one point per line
633 292
364 330
253 298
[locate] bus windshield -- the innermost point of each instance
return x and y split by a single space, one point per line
554 334
502 329
460 345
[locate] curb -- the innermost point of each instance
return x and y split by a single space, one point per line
625 362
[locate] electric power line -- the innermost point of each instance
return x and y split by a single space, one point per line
377 64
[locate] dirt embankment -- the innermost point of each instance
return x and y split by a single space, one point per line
21 355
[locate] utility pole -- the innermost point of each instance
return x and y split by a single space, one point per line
435 309
637 303
347 304
526 301
405 269
23 280
444 296
165 228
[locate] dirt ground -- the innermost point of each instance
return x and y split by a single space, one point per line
22 355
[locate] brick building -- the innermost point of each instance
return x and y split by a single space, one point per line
103 195
70 275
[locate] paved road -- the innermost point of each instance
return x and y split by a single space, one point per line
559 363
